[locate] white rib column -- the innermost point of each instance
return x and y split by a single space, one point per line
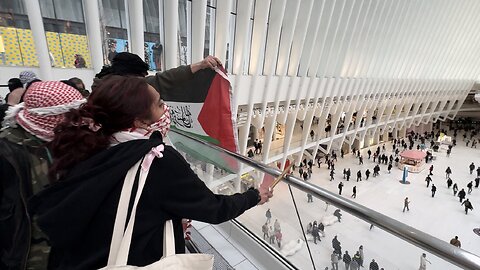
199 14
135 19
38 32
170 20
222 19
92 23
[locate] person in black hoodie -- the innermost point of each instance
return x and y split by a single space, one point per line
123 119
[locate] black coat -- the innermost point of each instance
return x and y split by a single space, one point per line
22 161
347 259
336 244
78 213
373 266
15 188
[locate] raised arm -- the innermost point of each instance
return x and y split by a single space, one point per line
178 191
164 81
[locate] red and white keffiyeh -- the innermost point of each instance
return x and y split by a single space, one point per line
43 108
162 125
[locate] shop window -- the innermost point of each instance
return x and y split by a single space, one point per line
16 40
66 34
113 20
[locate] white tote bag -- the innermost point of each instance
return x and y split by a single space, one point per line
120 245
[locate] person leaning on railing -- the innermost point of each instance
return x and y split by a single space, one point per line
123 119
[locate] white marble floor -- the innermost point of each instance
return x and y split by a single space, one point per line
441 216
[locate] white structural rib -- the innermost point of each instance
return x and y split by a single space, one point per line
170 22
199 15
365 69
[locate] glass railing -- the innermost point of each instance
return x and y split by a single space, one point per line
392 244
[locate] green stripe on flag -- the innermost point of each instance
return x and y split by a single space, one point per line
201 137
202 152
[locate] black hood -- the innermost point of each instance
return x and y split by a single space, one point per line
64 211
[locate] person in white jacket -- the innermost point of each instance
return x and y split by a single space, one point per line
423 262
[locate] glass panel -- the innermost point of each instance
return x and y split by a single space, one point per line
69 10
66 33
114 26
338 231
114 13
278 215
388 251
150 10
12 6
153 46
47 8
209 32
222 175
17 47
230 43
184 34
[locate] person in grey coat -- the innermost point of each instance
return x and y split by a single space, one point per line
354 265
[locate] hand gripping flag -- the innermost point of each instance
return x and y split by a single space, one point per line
203 107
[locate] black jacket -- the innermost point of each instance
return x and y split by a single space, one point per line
347 259
3 110
23 163
78 213
14 190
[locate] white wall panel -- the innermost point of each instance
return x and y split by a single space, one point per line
242 88
258 88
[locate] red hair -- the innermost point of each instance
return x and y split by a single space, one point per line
114 105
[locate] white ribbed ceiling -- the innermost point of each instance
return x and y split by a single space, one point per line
434 39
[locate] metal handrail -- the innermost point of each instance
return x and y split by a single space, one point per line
442 249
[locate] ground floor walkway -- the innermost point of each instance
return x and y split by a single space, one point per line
441 216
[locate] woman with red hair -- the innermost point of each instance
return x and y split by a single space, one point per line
93 149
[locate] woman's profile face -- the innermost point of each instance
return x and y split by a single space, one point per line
157 109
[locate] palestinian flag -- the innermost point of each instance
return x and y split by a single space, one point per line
203 107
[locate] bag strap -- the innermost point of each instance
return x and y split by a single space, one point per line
120 245
122 212
123 251
168 239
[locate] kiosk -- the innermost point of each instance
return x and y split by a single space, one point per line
412 159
